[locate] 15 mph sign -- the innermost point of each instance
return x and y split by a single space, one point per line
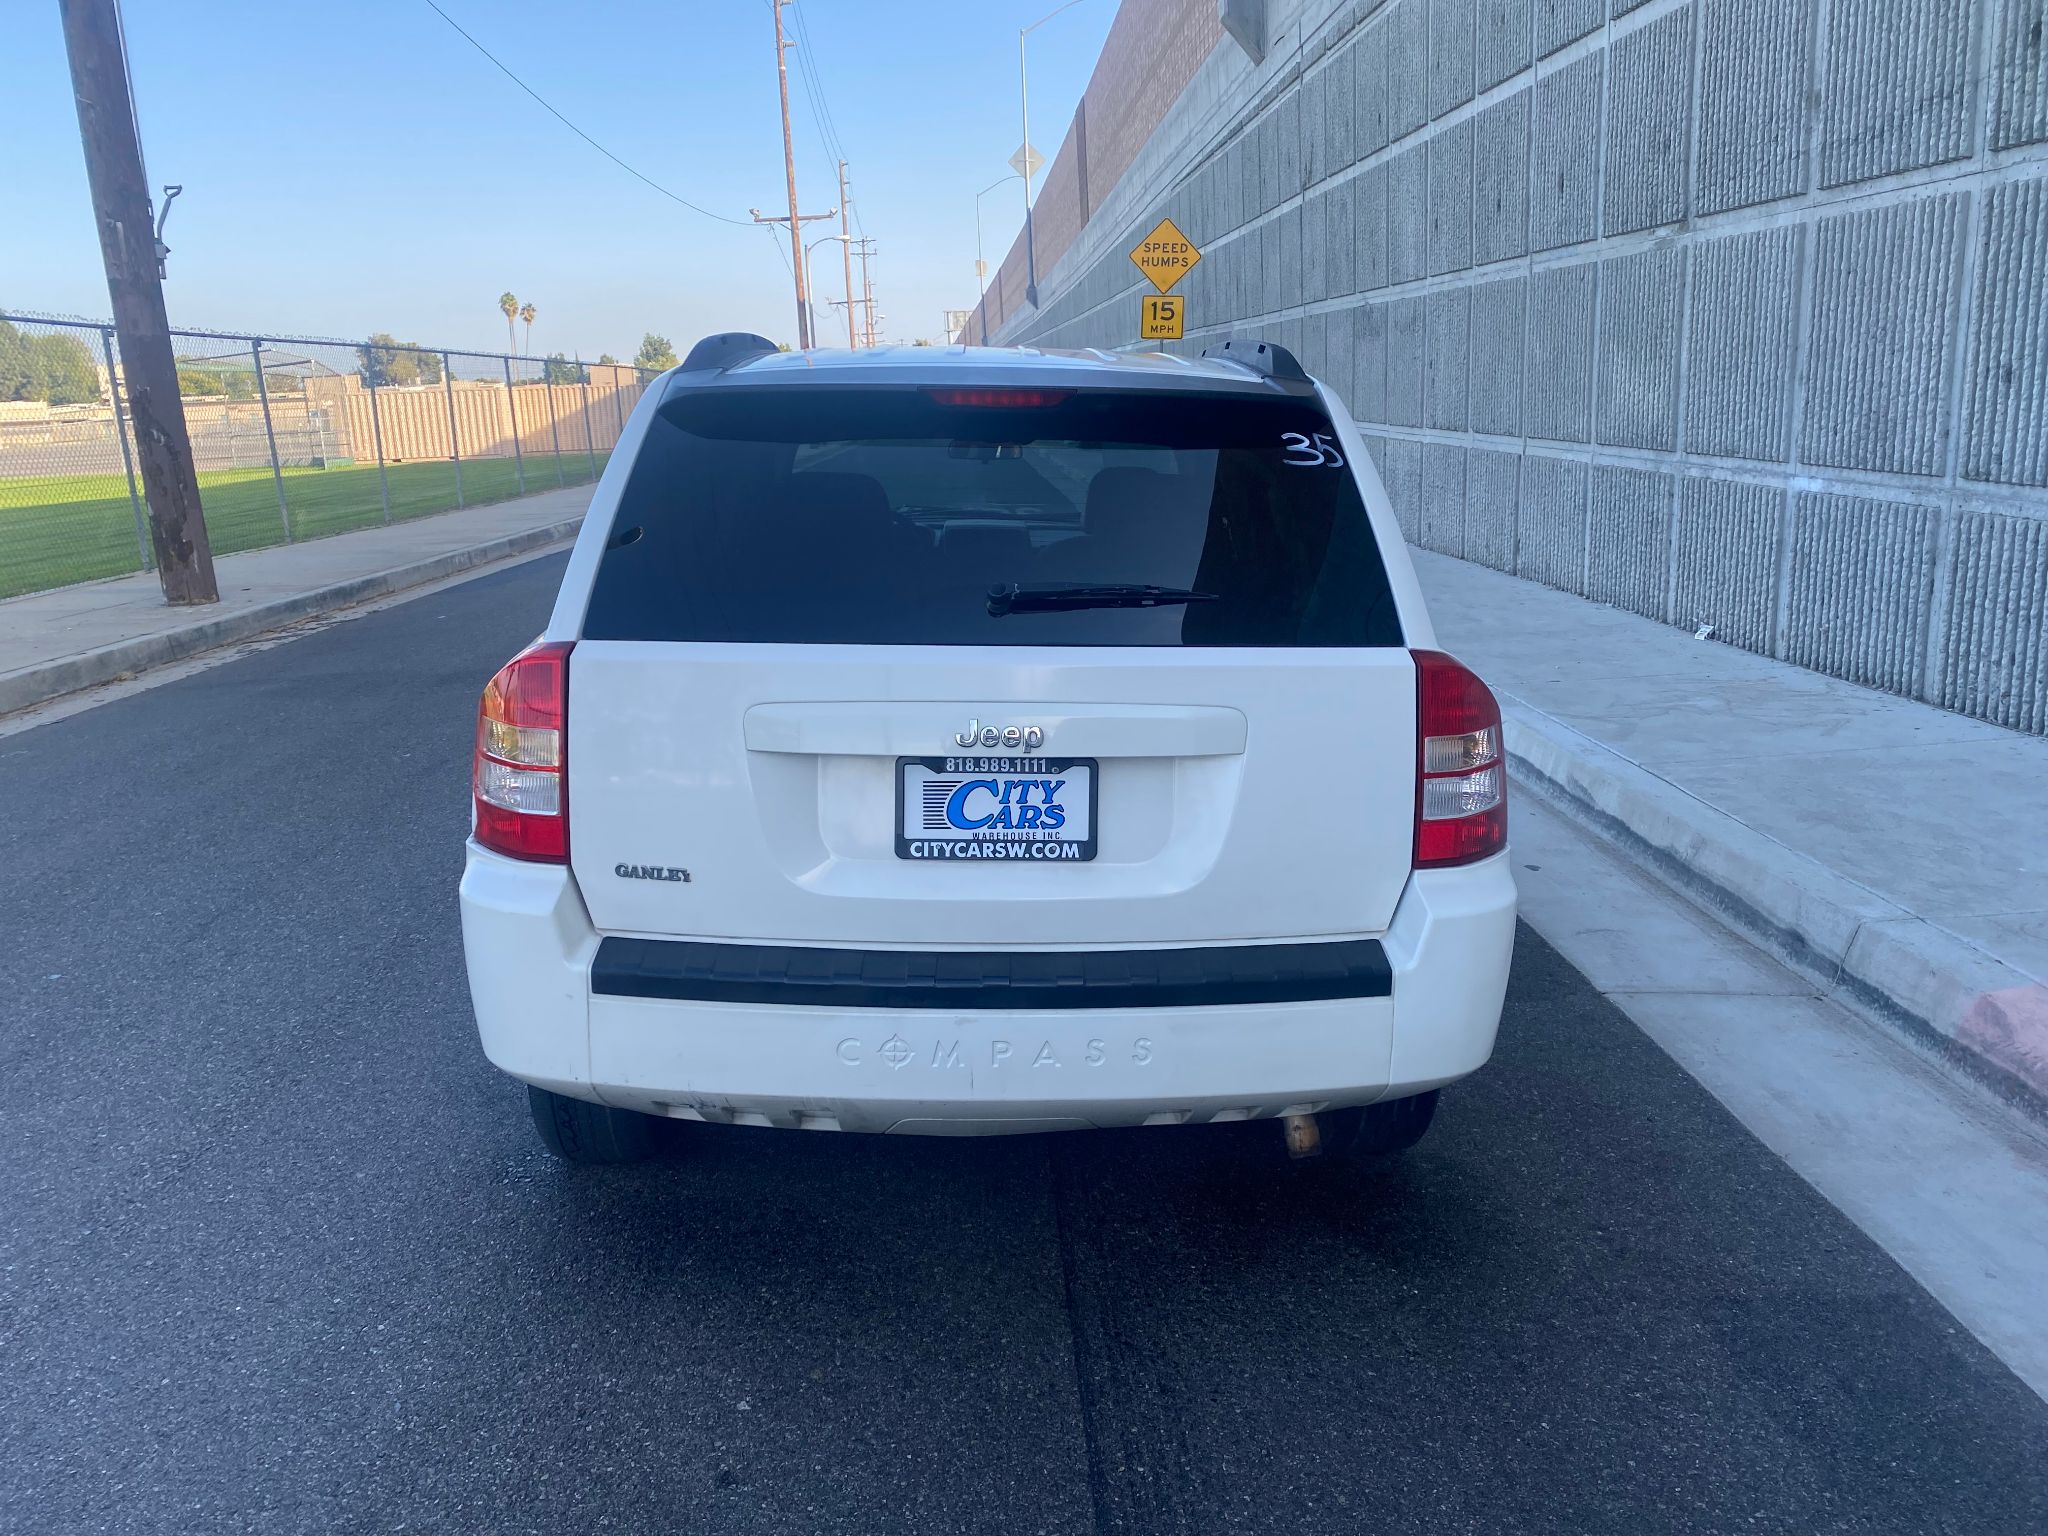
1165 317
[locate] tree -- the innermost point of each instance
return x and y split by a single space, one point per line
14 365
655 353
387 361
560 370
56 368
510 306
526 313
607 360
68 375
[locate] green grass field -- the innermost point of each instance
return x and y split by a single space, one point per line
61 529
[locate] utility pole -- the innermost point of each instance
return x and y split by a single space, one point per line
867 285
128 248
796 237
846 255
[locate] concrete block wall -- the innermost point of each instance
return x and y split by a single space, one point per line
1729 312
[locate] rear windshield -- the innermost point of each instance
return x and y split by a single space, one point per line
893 517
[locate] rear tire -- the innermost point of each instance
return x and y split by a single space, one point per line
578 1131
1379 1130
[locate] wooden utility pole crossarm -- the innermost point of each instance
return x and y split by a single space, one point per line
805 340
121 210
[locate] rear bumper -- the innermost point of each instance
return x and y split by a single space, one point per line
550 1012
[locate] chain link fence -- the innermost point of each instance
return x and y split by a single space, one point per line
293 439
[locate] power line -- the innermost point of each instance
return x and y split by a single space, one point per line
820 105
821 108
586 138
772 240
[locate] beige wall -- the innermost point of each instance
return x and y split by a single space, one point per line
412 422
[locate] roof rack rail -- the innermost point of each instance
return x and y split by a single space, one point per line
1267 357
726 349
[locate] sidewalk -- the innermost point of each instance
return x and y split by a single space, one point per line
1894 852
53 643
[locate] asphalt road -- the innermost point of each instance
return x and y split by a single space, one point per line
280 1252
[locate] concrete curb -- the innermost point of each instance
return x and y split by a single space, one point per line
1943 992
87 669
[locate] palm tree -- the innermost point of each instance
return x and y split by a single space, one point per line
510 306
526 313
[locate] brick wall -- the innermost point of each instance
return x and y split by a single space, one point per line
1730 312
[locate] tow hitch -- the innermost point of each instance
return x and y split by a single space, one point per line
1304 1136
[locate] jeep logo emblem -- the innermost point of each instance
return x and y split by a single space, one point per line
1027 737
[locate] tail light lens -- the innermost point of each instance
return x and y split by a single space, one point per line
1001 399
522 757
1461 790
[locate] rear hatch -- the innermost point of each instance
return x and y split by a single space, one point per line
911 667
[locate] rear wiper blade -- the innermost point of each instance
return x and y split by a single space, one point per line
1012 598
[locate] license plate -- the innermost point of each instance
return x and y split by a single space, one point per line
1017 810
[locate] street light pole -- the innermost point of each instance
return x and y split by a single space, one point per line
1024 111
822 239
980 266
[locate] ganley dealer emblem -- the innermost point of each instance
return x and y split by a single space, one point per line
651 872
1028 737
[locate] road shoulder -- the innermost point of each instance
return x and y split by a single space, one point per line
1952 1184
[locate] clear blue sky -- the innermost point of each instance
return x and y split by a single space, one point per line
361 168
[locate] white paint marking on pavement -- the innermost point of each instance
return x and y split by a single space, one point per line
1949 1182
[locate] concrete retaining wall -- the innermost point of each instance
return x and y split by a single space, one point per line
1729 312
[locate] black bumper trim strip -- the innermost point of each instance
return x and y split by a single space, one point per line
692 971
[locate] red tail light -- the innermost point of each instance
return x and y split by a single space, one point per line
1461 788
1015 399
521 779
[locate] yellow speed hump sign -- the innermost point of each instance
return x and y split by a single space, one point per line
1166 255
1165 317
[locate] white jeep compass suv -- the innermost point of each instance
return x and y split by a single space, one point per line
965 741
